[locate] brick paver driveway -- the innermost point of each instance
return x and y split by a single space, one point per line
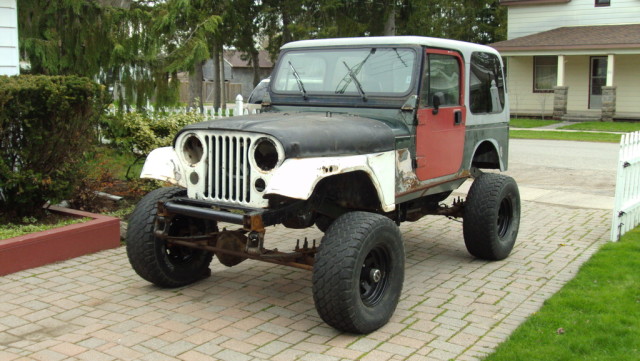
452 307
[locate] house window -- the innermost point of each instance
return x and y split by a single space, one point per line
603 2
545 73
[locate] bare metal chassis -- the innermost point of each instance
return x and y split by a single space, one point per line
254 222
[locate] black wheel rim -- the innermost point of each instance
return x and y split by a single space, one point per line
179 255
505 214
374 275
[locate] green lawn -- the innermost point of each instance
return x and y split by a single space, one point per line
596 316
624 127
552 135
530 123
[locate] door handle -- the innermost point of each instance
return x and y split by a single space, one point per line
457 117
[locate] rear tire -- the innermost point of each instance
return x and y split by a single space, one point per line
491 216
358 272
152 258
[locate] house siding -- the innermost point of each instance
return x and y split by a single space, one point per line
9 54
627 79
530 19
520 86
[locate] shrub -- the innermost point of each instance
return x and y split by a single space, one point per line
46 124
140 133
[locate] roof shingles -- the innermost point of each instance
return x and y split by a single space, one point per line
576 37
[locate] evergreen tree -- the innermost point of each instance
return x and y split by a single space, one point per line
92 39
187 28
243 19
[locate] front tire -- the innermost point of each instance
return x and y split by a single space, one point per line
155 261
491 216
358 272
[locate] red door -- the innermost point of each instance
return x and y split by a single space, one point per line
441 116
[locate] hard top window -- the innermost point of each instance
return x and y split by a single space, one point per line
380 70
486 84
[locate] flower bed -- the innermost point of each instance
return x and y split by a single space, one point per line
59 244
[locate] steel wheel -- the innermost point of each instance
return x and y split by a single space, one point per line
374 276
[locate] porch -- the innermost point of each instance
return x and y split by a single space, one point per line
575 73
596 116
576 116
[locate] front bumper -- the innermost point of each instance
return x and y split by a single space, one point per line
250 219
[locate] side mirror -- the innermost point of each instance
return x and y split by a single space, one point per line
438 99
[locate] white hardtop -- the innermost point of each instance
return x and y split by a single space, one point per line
462 46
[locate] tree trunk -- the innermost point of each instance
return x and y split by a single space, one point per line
390 24
255 62
286 21
195 87
216 76
223 88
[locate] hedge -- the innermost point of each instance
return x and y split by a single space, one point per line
46 125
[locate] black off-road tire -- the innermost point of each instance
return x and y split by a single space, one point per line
323 222
345 291
151 258
491 216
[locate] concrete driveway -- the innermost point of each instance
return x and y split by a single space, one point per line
452 307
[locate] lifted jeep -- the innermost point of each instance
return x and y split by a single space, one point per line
355 136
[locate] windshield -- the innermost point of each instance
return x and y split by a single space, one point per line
361 72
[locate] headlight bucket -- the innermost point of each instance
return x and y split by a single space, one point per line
192 149
265 154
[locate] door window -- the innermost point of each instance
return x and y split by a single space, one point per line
441 79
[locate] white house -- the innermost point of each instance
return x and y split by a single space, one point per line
573 58
9 54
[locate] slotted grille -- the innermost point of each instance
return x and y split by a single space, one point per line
228 175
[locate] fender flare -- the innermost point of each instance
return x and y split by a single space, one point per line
163 164
497 148
298 177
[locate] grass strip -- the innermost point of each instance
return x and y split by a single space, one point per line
596 316
10 230
623 127
530 123
576 136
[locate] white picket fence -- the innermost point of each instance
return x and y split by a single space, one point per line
626 209
208 112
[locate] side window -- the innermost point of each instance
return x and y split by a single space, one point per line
603 2
486 84
441 78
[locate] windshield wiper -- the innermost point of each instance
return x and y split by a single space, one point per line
346 80
355 80
299 81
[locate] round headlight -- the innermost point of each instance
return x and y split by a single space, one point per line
265 154
192 149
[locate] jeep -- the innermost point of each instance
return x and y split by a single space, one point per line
356 135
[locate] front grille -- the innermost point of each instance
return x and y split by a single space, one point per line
228 176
